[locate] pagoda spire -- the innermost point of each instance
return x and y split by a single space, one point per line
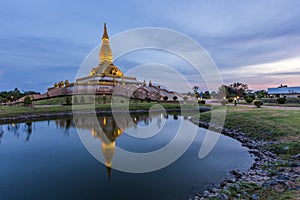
105 53
105 35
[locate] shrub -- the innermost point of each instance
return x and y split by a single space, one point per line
202 101
27 101
174 98
230 100
82 99
68 100
252 96
249 100
223 102
281 100
148 99
258 103
75 100
165 98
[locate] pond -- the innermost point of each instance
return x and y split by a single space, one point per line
48 160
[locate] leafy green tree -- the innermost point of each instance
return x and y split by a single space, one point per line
206 95
27 101
82 99
75 100
68 100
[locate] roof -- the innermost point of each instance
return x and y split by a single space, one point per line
284 90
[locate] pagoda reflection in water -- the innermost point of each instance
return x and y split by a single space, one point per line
108 129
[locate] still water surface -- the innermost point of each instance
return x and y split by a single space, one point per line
47 160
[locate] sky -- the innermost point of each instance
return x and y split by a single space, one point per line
254 42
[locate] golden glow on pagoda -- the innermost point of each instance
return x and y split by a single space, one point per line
106 66
105 53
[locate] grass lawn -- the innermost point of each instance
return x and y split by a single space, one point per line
279 126
15 111
263 123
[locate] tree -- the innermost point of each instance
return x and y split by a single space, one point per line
213 94
68 100
175 98
27 101
206 95
238 88
234 89
261 93
223 91
282 86
166 98
82 99
75 100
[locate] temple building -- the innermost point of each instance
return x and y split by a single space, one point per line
106 79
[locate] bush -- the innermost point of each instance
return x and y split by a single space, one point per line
201 101
252 96
75 100
249 100
148 99
27 101
174 98
223 102
165 98
281 100
258 103
82 99
68 100
230 100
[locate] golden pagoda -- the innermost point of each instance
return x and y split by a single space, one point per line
107 79
106 72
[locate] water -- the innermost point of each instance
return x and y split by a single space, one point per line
47 160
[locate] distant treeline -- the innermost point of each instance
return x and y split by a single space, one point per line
6 96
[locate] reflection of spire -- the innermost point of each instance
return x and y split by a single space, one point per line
108 133
108 150
108 169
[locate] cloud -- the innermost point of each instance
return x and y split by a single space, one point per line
54 37
269 74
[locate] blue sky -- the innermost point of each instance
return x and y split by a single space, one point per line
255 42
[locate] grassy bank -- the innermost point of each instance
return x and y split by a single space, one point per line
280 130
15 111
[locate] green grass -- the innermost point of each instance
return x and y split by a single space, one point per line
263 123
281 126
15 111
